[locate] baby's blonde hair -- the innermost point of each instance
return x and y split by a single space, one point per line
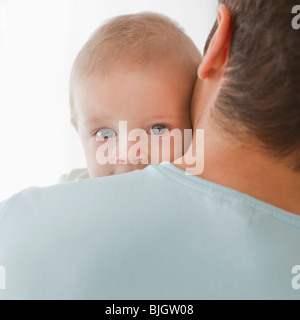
144 38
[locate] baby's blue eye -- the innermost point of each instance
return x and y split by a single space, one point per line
106 133
158 129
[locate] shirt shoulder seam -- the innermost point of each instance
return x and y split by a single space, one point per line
228 196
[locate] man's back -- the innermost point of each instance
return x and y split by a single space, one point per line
150 234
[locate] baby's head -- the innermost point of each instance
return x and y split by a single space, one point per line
140 69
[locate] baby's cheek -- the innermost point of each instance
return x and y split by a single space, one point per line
105 151
97 152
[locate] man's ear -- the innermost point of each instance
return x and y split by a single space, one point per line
217 52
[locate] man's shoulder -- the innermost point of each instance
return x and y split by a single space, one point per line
165 184
155 227
79 189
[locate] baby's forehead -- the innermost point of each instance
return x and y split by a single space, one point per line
131 92
120 72
136 41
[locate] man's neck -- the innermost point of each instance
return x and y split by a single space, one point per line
248 170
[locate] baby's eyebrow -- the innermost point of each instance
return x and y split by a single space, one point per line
94 120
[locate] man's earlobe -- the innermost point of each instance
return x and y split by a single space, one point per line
217 52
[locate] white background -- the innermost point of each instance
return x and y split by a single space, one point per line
39 40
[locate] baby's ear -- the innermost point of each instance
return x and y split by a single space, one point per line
74 124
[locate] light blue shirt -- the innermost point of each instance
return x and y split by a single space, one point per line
150 234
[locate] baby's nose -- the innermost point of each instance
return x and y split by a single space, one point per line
121 161
133 154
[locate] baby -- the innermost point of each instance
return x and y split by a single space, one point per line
136 72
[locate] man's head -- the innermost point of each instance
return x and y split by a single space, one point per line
259 98
137 68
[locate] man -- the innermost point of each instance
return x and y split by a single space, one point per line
233 232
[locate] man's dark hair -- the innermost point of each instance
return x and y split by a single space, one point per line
261 89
